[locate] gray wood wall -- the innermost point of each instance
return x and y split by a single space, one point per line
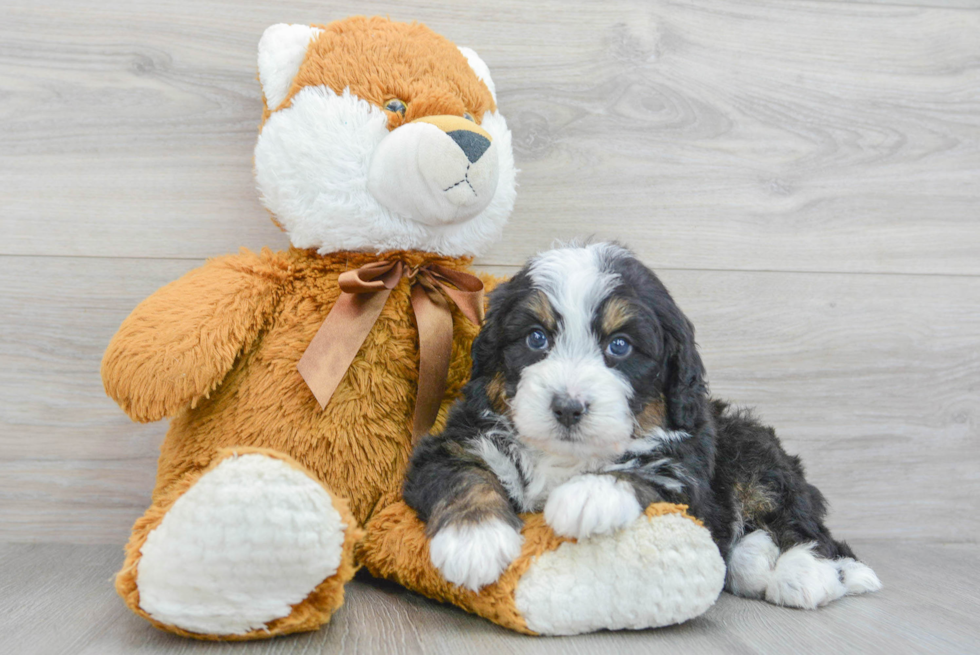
805 175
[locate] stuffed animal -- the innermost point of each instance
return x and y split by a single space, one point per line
296 382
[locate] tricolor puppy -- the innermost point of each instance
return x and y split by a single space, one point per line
588 401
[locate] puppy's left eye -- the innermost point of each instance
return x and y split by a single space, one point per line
468 116
619 348
537 340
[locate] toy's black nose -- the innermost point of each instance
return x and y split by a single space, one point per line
472 144
567 410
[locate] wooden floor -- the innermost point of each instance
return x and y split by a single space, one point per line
56 600
804 174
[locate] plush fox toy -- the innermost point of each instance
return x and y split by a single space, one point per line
294 381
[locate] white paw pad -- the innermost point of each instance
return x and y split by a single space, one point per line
474 555
858 578
750 565
591 504
797 577
801 579
253 537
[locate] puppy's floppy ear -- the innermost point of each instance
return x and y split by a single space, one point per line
685 389
486 346
682 376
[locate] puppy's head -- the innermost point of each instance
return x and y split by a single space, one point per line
585 350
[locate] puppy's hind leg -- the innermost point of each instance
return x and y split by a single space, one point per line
794 560
797 577
813 569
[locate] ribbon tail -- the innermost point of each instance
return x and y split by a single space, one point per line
465 290
338 341
435 326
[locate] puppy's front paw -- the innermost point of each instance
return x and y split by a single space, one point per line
591 504
473 555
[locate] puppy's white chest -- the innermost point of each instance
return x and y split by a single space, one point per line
547 473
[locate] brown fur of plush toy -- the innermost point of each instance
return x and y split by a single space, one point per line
267 307
379 60
217 350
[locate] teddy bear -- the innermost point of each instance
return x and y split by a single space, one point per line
296 382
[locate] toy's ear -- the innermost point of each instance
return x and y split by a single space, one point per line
282 49
480 68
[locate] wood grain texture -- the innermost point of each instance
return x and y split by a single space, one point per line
775 135
873 379
58 599
804 174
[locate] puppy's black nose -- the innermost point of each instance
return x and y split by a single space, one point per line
567 410
472 144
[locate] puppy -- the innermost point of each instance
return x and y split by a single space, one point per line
588 401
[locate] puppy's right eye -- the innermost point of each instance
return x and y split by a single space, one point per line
537 340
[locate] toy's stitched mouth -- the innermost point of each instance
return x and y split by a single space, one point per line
466 178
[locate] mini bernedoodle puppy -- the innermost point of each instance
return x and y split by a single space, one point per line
588 400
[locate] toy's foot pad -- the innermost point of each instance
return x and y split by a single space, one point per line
655 572
253 537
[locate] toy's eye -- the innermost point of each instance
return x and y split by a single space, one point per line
619 348
468 116
396 106
537 339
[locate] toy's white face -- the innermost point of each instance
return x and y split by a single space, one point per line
336 178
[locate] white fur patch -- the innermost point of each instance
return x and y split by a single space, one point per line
656 438
282 50
253 537
795 578
653 573
801 579
665 472
312 162
505 469
591 504
750 565
419 172
576 280
474 555
480 68
530 475
547 472
858 577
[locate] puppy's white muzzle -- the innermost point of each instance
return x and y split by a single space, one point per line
604 428
436 170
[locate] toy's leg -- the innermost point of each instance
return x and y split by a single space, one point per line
252 547
662 569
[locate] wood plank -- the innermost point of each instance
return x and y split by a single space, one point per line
873 379
789 135
59 599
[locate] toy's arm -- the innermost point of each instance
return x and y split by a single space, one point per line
178 344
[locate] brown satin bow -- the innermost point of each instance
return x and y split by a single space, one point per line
364 292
